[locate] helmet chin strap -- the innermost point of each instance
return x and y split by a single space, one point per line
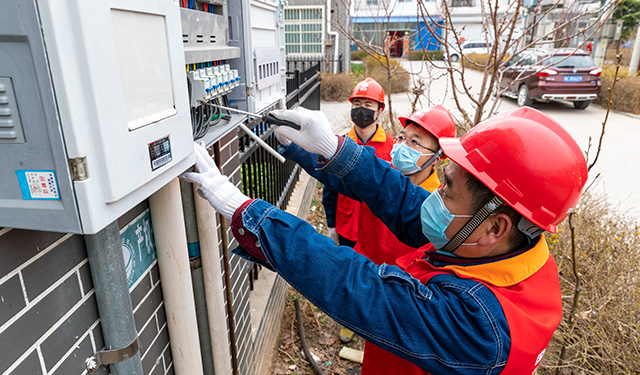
431 160
473 223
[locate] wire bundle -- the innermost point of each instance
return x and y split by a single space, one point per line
203 117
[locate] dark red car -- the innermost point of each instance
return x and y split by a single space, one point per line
557 74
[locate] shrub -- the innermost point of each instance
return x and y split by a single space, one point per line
424 55
376 69
626 93
606 335
477 61
336 87
358 55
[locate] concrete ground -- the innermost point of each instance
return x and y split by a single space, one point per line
617 164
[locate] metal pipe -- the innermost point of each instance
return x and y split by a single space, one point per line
173 261
255 115
262 143
189 214
227 276
213 287
635 55
250 133
197 280
109 275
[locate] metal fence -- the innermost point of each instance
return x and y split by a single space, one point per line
263 176
327 63
303 87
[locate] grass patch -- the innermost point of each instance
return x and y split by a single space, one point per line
357 69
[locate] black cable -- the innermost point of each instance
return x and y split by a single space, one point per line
305 348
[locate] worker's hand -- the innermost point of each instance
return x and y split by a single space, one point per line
282 139
334 236
315 134
282 105
224 196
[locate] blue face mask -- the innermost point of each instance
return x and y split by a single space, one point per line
405 159
435 219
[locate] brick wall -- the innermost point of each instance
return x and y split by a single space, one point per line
49 320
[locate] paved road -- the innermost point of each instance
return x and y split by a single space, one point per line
619 160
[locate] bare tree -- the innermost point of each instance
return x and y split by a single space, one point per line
500 25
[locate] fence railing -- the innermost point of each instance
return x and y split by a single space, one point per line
303 88
327 63
262 175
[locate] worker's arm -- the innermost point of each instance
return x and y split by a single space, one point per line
390 195
372 179
307 161
449 326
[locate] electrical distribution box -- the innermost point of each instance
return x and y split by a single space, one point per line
94 110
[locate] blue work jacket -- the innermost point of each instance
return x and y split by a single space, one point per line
451 325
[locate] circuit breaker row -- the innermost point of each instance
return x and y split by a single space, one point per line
210 82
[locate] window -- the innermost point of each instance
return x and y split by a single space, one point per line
372 2
303 31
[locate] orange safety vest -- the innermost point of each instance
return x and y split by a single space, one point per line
347 210
376 241
528 290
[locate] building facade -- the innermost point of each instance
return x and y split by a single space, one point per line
318 28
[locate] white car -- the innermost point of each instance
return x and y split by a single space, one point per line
468 47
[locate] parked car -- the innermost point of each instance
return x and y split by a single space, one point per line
556 74
468 47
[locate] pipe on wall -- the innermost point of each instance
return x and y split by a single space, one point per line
173 262
195 261
104 250
335 37
212 273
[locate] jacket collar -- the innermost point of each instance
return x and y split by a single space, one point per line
508 271
431 183
379 136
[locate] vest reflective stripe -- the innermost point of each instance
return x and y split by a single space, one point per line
532 307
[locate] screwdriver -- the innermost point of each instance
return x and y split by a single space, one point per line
268 117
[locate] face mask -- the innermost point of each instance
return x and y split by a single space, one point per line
435 219
362 116
405 159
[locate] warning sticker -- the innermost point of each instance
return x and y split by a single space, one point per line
38 184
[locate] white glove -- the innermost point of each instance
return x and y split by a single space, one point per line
334 236
315 134
281 138
224 196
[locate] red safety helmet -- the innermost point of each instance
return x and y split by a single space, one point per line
526 158
436 120
369 89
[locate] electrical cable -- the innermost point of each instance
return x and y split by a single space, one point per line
305 348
